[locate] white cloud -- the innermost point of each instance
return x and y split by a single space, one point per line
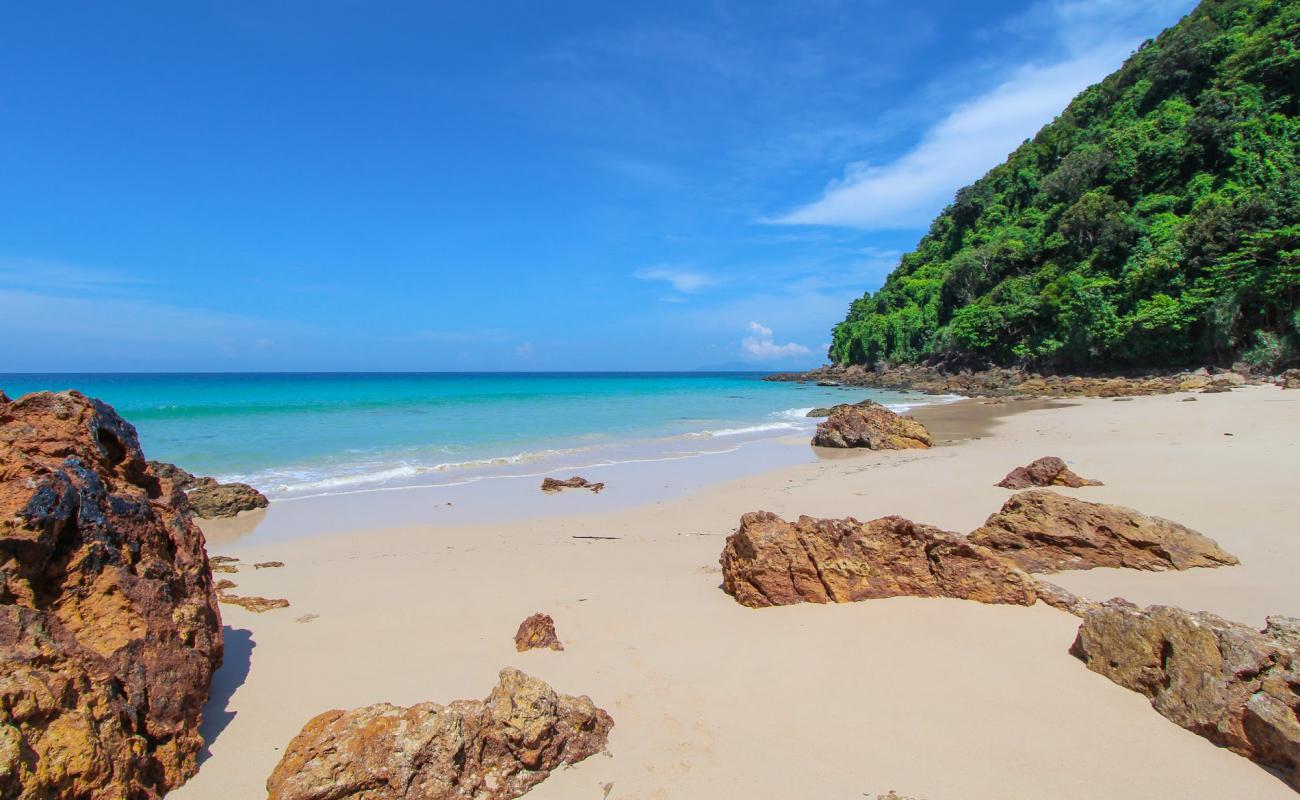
760 346
979 133
685 281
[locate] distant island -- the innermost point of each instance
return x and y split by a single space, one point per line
1155 222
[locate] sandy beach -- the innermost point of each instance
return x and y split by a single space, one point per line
937 699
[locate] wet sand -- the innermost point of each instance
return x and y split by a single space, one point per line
938 699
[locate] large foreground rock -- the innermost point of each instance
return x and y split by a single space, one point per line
871 425
208 497
1234 685
109 628
1046 471
472 749
771 562
1043 531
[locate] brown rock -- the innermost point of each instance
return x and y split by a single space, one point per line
1290 379
771 562
1046 471
211 499
1228 682
253 603
492 749
1216 389
552 485
818 412
1042 531
871 425
268 565
537 632
109 628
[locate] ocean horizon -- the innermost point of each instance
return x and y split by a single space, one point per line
304 434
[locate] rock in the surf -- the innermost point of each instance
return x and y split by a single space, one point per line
1046 471
771 562
869 424
1237 686
109 627
208 497
1042 531
493 749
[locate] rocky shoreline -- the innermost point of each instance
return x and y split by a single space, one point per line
1013 381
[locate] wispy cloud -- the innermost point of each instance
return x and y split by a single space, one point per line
760 345
682 280
979 133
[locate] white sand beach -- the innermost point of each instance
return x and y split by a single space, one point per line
937 699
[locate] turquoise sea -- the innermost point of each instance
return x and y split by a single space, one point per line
300 434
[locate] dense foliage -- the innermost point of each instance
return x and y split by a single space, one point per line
1155 222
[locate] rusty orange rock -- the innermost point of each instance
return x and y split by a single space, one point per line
1046 471
537 632
869 424
109 627
493 749
1043 531
771 562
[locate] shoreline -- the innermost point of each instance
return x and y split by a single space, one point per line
711 699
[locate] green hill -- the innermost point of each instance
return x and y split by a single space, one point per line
1156 222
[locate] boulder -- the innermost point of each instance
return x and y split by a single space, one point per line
817 413
1046 471
1228 682
537 632
109 627
771 562
552 485
492 749
1290 379
1042 531
869 424
208 497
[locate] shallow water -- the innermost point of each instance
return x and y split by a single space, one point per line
295 435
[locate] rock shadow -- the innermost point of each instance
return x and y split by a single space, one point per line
227 680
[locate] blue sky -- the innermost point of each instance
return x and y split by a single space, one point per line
485 186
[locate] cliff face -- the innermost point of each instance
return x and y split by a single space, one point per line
109 627
1155 222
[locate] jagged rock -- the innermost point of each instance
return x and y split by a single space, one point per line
485 750
268 565
1042 531
871 425
552 485
208 497
109 628
1290 379
771 562
211 499
252 603
1066 600
817 413
537 632
1234 685
1046 471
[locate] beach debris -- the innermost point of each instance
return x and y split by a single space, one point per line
536 633
493 749
208 497
306 618
1189 399
1046 471
599 538
869 424
268 564
1232 684
551 485
253 603
818 412
108 618
1042 531
771 562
